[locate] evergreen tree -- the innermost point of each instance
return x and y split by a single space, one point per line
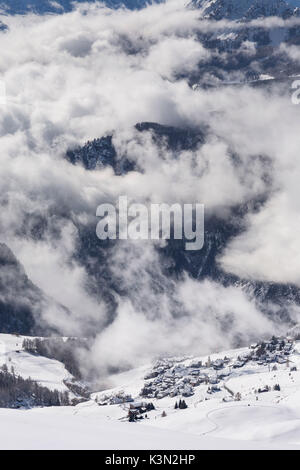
16 392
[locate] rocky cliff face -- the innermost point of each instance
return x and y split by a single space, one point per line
21 302
19 298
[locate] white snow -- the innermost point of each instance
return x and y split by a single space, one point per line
88 428
47 372
258 421
265 76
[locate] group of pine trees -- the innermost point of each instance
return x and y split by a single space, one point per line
135 414
63 350
150 406
17 392
181 405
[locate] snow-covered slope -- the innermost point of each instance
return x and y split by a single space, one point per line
47 372
249 399
88 428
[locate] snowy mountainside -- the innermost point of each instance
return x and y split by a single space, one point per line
46 371
207 376
252 47
247 9
238 399
250 394
12 7
16 360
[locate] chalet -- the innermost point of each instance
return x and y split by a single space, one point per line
213 389
218 364
213 380
264 389
238 364
196 365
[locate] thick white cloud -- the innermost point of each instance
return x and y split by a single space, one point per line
176 56
209 307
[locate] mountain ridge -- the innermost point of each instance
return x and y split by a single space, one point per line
62 6
247 9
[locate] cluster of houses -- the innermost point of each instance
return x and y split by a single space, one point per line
275 350
114 399
178 377
169 379
175 378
